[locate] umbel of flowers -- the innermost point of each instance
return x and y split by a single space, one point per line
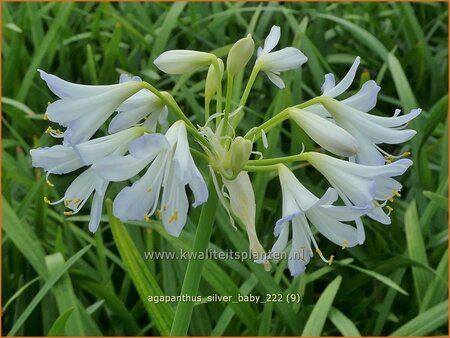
143 147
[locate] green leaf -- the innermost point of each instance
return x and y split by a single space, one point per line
145 283
59 326
316 320
23 238
46 288
343 323
441 201
383 279
401 82
425 323
416 250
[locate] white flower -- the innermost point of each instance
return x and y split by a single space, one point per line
359 184
301 206
172 168
78 193
138 107
364 100
183 61
352 115
325 133
242 203
59 159
370 130
272 63
83 109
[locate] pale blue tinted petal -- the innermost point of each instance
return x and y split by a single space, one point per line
328 83
346 82
276 80
272 39
148 146
198 187
96 207
58 159
119 168
366 98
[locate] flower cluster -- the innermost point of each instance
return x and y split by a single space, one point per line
142 147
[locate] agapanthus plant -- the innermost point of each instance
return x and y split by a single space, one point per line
144 147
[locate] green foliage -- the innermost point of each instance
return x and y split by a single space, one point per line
58 279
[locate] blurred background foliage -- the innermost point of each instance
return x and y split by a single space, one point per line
59 279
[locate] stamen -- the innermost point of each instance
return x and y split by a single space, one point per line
331 260
173 217
46 200
344 244
165 208
67 202
68 213
322 257
396 193
391 200
406 154
54 132
45 116
149 190
146 217
76 201
390 209
48 181
158 214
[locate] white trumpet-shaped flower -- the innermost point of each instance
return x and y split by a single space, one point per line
171 169
83 109
325 133
243 206
142 105
352 115
364 100
79 192
359 184
58 159
370 130
183 61
301 206
272 63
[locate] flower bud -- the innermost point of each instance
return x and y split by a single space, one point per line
325 133
211 80
240 54
239 154
183 61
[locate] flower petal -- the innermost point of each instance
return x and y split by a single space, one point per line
272 39
281 60
346 82
58 159
148 146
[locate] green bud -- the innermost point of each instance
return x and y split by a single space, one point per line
240 54
211 80
239 154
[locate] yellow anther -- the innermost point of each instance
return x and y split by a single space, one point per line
76 201
45 116
67 202
391 200
173 217
158 214
49 183
406 154
52 131
330 261
375 203
344 244
396 193
46 200
389 208
68 213
319 252
146 217
149 190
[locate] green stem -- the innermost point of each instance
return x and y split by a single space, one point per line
226 116
261 168
244 97
219 89
277 160
193 274
207 103
170 102
255 133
